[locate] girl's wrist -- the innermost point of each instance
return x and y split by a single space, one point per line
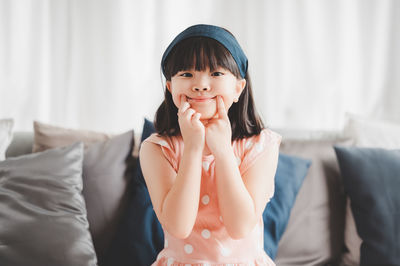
223 151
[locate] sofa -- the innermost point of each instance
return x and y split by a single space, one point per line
100 212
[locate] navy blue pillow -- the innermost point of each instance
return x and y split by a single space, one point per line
371 179
140 237
289 177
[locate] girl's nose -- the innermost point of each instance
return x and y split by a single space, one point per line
201 89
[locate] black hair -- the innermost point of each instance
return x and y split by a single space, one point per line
200 53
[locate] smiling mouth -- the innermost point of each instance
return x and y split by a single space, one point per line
200 100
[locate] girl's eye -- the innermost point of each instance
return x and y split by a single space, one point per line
186 74
217 74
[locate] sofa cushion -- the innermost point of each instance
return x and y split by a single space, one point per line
314 234
49 136
371 179
289 177
140 237
365 132
42 211
6 126
107 170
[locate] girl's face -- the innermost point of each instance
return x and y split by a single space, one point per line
201 89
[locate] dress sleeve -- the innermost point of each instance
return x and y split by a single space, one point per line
168 147
255 146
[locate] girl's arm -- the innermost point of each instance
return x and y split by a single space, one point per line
242 199
175 196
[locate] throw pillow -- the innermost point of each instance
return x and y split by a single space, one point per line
289 177
42 211
371 179
141 238
6 126
365 132
107 170
49 136
314 234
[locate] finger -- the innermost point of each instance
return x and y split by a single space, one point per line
189 113
183 108
196 117
221 108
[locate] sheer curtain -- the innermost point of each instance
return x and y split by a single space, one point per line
95 64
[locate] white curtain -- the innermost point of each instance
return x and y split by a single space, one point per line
94 64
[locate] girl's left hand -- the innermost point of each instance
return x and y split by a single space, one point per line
218 130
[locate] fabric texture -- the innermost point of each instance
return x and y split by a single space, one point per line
288 180
216 33
48 136
107 171
365 132
317 216
139 237
6 126
209 242
42 211
371 180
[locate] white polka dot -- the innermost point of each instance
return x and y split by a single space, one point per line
206 166
259 147
170 261
206 264
206 233
188 248
238 161
166 243
163 143
225 251
249 144
187 264
205 199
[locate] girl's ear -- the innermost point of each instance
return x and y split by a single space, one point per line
168 85
240 84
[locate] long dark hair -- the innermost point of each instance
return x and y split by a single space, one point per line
201 53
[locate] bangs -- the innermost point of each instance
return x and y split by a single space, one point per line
199 53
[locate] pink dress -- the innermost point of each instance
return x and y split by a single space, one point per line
209 243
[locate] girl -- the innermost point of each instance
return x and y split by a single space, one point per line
210 168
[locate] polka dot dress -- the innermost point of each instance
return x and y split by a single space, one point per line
209 243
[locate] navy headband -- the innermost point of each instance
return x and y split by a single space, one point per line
216 33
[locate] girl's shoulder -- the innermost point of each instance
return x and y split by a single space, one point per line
171 147
251 148
265 138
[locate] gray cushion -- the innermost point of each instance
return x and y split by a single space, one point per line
42 211
107 169
314 234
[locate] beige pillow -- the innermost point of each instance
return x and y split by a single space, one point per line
6 126
365 132
314 234
49 136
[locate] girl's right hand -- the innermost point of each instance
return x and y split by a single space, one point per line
192 129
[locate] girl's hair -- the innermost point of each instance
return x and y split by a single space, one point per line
199 53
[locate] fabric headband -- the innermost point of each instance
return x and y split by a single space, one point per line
216 33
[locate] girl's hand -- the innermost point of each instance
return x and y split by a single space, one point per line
218 131
192 130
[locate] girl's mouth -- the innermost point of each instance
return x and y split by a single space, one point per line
200 99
